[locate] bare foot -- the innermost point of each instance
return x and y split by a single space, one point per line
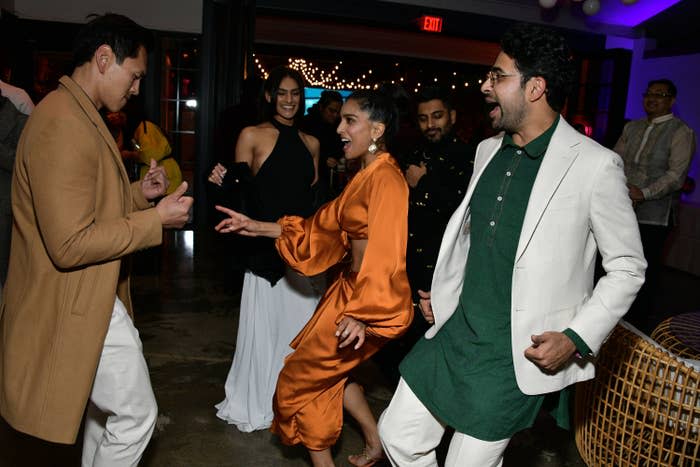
368 457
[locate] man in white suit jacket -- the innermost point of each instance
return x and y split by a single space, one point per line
554 319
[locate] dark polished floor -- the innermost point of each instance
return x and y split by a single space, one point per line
186 296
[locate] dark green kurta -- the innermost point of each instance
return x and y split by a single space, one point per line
464 375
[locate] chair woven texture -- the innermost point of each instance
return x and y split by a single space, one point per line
680 335
641 409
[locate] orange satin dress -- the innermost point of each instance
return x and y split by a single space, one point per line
308 403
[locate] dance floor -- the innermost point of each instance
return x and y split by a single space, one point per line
186 296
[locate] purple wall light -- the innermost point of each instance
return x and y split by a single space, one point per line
618 13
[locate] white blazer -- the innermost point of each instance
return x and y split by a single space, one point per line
579 205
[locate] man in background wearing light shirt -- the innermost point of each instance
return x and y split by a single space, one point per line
18 96
657 151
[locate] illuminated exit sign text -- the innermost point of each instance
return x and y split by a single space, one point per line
430 23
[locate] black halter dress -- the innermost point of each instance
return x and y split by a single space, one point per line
281 187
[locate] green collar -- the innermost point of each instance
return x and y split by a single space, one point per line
538 146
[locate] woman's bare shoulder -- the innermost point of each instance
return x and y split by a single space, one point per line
260 128
255 132
310 141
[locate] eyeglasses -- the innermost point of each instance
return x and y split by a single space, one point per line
656 95
495 76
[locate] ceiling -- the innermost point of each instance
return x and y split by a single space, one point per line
616 13
664 21
676 29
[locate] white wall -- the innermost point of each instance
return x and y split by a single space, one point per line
166 15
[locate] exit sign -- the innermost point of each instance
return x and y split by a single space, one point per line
430 23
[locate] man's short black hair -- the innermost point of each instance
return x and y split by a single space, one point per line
430 93
123 35
539 51
667 82
329 96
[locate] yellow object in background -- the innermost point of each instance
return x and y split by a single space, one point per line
154 145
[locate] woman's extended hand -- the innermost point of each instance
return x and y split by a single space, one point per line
348 330
244 225
237 223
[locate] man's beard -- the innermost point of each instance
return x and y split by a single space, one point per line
510 121
442 134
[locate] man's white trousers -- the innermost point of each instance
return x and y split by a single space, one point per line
410 434
122 410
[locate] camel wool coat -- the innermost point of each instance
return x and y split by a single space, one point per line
76 216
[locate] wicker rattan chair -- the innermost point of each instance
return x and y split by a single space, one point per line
642 408
680 335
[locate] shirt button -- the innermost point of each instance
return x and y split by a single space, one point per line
500 198
508 174
492 223
518 152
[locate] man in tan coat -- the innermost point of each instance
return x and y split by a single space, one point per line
66 334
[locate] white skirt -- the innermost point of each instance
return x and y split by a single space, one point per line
270 318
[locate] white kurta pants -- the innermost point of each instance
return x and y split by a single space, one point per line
122 410
410 434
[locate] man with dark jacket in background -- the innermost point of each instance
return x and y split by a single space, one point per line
11 124
438 173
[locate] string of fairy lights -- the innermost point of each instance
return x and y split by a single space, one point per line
330 77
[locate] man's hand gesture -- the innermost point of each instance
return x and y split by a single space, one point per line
155 183
550 351
414 173
174 209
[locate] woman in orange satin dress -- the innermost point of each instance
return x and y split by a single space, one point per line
367 305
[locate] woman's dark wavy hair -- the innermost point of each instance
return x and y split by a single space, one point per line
539 51
123 35
272 85
381 108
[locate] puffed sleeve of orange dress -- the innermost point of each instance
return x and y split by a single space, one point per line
378 202
310 246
